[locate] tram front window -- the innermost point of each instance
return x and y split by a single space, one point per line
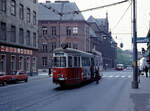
59 61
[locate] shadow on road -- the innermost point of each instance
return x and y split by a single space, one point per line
73 87
141 101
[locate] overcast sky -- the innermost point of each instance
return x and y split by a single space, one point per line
114 14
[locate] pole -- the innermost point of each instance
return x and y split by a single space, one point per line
135 68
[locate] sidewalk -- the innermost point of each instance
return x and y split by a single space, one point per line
140 97
41 75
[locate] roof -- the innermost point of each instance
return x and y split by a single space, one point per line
61 7
72 51
99 22
92 33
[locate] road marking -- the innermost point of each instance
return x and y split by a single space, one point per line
116 76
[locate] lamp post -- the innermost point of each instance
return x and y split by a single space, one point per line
135 84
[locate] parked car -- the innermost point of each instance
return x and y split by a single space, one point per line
19 76
4 79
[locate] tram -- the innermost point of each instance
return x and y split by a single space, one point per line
72 66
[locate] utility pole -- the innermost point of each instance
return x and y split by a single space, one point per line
135 83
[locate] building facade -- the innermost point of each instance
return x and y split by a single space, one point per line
57 26
18 36
102 40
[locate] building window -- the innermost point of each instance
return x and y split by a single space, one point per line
21 36
53 45
44 29
3 31
53 31
34 1
28 15
75 30
44 61
34 39
28 64
75 46
3 5
13 63
21 12
28 38
69 45
44 48
34 64
13 34
21 63
34 18
2 63
68 31
13 7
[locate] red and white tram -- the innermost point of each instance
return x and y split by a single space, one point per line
72 66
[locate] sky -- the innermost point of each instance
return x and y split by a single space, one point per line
114 14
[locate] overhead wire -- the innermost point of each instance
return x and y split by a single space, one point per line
121 17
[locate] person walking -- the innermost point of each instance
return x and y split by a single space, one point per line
146 71
97 76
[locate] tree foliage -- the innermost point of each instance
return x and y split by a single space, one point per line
122 58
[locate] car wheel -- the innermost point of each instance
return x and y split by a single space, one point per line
4 83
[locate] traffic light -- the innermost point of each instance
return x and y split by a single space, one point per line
121 45
143 50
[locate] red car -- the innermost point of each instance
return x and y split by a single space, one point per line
19 76
4 79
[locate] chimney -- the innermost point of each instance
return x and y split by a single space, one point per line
47 1
61 1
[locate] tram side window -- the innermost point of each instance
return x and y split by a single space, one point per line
85 61
75 62
78 61
70 61
59 61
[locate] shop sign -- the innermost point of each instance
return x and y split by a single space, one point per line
15 50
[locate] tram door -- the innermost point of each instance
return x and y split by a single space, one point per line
92 67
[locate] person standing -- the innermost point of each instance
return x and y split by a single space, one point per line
146 71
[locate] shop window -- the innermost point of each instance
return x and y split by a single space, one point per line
21 63
2 63
34 64
13 63
28 64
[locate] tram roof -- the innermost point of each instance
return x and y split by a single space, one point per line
72 51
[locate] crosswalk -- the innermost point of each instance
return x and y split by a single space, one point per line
117 76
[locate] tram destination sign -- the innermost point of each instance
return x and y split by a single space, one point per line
143 40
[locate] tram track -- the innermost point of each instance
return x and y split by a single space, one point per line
41 99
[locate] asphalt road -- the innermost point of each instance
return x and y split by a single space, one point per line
111 94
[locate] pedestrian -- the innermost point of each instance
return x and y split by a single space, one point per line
146 71
97 76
